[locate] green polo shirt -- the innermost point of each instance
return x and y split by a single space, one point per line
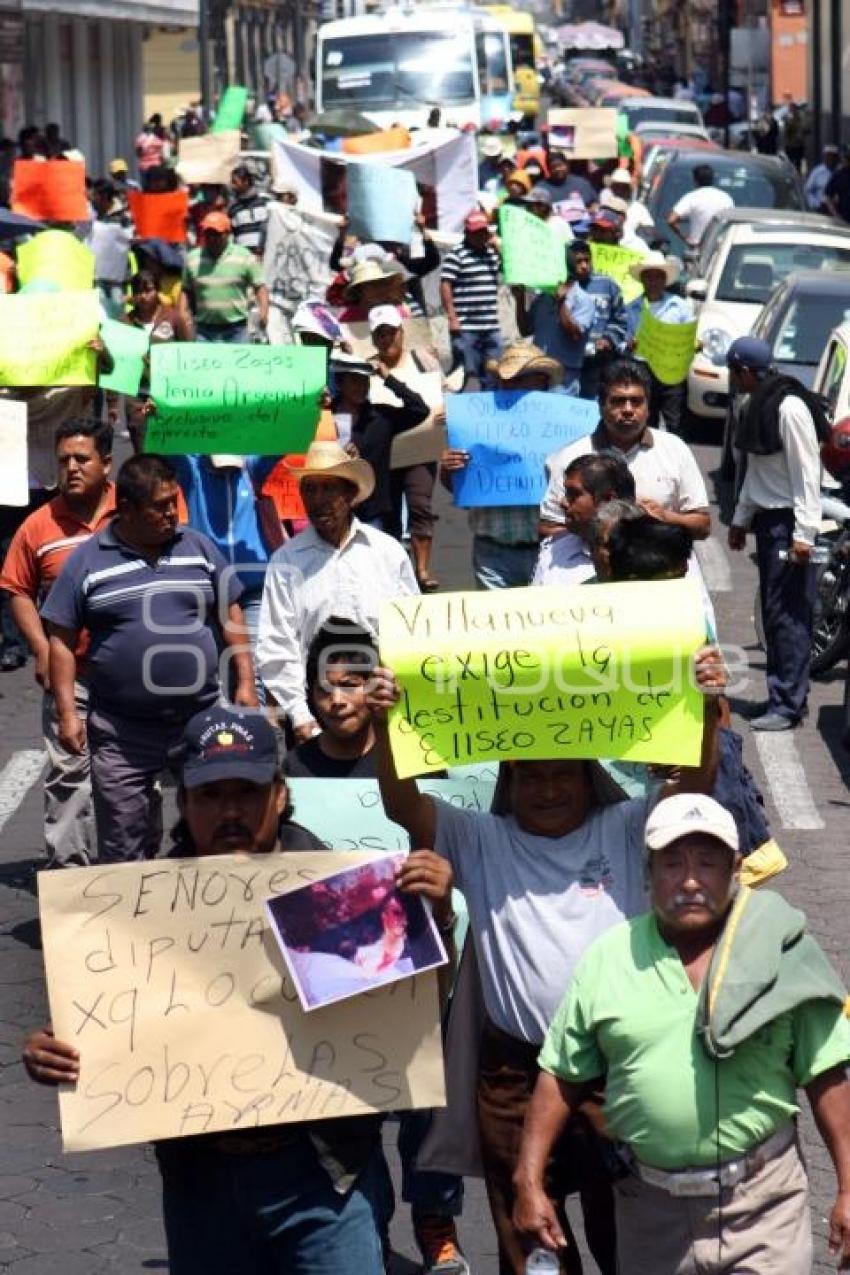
631 1015
221 286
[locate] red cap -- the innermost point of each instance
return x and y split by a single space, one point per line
477 221
217 221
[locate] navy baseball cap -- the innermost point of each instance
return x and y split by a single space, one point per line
229 743
750 352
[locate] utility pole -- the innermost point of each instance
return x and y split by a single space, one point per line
725 16
204 51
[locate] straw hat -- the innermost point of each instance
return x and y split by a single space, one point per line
491 147
369 271
522 178
656 261
325 459
517 360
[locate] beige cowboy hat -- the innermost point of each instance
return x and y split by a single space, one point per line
656 261
326 459
519 359
369 271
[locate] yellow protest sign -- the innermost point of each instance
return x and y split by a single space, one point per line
56 256
614 261
595 671
44 338
667 347
165 978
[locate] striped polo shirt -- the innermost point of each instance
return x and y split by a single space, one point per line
474 280
154 649
221 286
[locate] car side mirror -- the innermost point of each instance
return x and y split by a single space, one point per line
697 289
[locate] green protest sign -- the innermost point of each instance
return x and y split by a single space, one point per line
532 255
605 672
234 399
615 261
231 109
128 347
667 347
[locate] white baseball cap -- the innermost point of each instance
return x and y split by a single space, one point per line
687 813
384 316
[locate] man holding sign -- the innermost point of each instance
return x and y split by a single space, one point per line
661 329
559 864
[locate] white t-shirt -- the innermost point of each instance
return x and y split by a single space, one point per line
698 207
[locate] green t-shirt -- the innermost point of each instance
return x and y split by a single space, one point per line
221 286
631 1015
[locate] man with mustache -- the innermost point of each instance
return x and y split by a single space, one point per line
701 1018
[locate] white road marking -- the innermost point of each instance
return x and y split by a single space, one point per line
715 566
787 779
16 778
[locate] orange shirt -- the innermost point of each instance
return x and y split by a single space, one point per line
44 541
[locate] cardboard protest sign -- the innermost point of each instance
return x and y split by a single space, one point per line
614 261
381 202
545 673
160 216
388 139
283 488
425 443
667 347
209 159
234 399
231 109
58 257
166 979
44 338
532 254
353 932
50 190
509 434
14 472
128 346
584 132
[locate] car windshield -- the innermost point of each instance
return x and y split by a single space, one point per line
753 270
397 69
749 187
804 327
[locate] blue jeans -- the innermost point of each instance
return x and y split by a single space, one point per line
473 350
788 607
230 334
498 566
270 1213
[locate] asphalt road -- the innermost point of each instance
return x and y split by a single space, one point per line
99 1213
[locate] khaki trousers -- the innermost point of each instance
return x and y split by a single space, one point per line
762 1226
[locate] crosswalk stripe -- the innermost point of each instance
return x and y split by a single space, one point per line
16 778
788 786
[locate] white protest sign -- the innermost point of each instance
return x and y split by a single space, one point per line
584 132
164 975
209 159
14 477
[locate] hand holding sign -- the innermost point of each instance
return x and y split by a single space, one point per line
532 254
667 347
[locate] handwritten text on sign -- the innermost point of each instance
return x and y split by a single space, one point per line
509 434
234 399
165 978
594 671
667 347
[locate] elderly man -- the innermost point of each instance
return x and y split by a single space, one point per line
701 1018
336 566
589 481
560 864
157 601
656 274
310 1193
667 478
780 501
504 537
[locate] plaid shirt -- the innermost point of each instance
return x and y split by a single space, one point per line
506 524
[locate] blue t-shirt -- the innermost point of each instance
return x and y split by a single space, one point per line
154 649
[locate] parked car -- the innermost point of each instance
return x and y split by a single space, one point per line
659 110
757 181
649 132
778 218
751 259
656 150
797 320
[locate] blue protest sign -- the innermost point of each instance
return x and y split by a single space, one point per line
381 202
509 434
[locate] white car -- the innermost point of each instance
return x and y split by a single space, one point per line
832 378
751 259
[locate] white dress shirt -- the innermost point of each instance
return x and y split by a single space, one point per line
563 560
309 580
788 479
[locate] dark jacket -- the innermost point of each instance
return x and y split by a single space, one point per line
373 433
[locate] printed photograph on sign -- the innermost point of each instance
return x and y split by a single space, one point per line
352 932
